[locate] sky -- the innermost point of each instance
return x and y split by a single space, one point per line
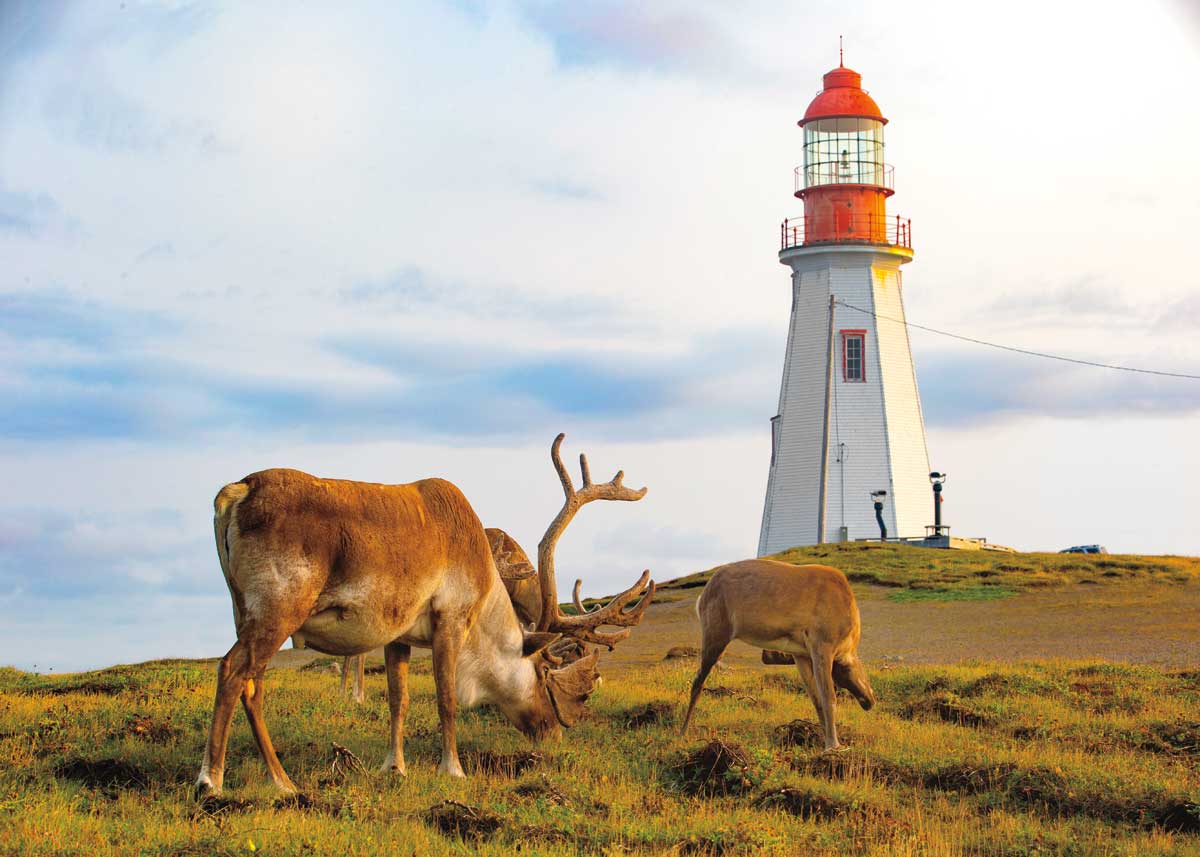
387 241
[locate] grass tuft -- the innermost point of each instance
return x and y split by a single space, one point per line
453 818
716 768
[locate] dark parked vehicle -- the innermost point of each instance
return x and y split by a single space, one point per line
1085 549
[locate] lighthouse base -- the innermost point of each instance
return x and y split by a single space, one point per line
849 423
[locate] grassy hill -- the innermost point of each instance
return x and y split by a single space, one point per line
922 573
1054 757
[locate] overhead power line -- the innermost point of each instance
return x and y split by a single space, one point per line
1022 350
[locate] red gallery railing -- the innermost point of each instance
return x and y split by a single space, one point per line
848 228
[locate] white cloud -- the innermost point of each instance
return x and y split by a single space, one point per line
213 202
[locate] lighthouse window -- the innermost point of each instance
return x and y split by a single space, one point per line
844 150
853 355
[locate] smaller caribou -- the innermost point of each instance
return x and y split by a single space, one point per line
806 614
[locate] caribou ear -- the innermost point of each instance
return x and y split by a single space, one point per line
571 686
535 641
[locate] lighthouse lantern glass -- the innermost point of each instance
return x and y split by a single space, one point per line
844 150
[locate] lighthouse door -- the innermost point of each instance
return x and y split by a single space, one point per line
841 219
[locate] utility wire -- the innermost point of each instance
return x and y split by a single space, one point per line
1022 350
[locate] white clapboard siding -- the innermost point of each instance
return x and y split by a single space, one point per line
876 433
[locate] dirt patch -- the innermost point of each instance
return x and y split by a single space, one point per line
676 652
547 835
1047 791
1099 695
452 818
992 682
322 665
1180 738
1179 817
969 779
101 686
807 804
949 708
1188 678
851 765
874 579
215 805
729 693
650 714
543 789
1100 689
716 768
307 803
107 774
146 728
806 733
502 764
780 681
712 845
1031 733
687 584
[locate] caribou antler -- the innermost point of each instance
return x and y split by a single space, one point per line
584 626
510 560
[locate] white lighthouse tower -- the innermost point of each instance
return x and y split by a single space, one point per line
849 423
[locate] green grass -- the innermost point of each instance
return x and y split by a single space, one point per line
978 759
961 593
971 573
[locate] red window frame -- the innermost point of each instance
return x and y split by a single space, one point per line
861 336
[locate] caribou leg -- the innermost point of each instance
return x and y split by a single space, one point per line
230 683
448 637
247 658
808 680
360 679
252 701
821 660
357 665
711 649
396 666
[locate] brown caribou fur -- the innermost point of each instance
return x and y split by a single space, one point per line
806 613
352 566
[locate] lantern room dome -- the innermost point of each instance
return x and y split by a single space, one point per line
843 95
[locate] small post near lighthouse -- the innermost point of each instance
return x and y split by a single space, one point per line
849 421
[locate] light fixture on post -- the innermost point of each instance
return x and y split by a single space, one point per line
877 499
937 530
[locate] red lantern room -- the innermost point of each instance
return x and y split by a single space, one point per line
844 181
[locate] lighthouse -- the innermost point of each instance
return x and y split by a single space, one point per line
849 424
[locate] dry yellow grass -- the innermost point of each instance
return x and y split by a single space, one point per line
980 758
1042 758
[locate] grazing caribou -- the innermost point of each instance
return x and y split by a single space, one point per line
353 565
806 614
